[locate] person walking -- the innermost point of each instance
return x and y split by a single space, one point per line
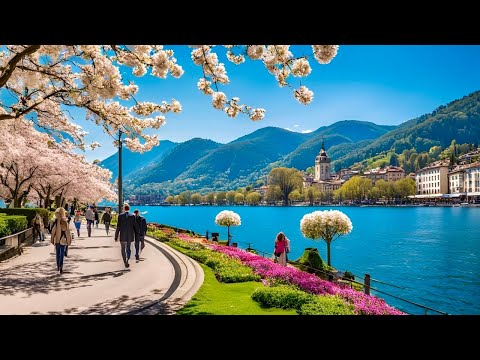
142 230
37 224
96 217
106 219
77 220
282 246
61 236
90 216
127 228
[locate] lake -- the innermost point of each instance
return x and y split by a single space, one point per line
432 253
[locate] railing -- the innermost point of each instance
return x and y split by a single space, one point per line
17 239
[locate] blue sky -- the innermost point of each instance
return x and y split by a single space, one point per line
378 83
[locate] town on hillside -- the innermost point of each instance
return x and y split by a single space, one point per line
445 182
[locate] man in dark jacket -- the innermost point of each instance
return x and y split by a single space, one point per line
128 229
142 230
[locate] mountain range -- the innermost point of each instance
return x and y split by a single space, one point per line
204 165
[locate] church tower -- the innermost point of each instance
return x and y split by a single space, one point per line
322 165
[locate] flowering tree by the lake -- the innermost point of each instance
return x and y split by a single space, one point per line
228 218
327 225
41 82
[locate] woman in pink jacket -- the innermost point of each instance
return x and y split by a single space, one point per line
282 247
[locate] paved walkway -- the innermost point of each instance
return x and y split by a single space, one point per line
95 280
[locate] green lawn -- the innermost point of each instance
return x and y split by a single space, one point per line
215 298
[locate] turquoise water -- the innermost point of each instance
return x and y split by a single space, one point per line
432 252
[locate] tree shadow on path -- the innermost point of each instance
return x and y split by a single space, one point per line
122 305
41 278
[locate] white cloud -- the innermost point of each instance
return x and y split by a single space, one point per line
288 129
306 131
296 125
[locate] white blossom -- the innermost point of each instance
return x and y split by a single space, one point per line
301 68
204 86
218 100
325 224
257 114
304 95
255 52
228 218
236 59
324 53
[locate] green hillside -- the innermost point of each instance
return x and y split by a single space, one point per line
459 120
177 161
250 158
342 132
133 161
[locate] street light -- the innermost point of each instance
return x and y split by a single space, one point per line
120 195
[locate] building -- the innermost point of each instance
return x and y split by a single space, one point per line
308 180
465 179
390 173
433 179
322 179
262 190
322 165
347 174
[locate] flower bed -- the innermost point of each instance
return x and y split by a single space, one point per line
274 273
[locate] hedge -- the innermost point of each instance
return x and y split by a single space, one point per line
12 224
29 213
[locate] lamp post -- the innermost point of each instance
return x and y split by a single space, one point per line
120 195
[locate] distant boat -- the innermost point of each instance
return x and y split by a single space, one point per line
143 212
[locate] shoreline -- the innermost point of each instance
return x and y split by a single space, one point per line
319 205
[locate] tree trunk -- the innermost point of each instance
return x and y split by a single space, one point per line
17 203
328 254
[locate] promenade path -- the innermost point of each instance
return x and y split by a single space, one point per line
95 280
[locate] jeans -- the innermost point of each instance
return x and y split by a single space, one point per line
107 226
60 253
139 240
126 251
89 227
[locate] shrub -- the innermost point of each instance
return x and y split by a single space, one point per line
227 269
11 224
189 245
4 229
158 234
327 305
312 262
348 275
29 213
284 297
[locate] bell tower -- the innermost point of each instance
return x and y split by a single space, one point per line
322 165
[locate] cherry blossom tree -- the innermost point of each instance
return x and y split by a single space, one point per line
34 167
44 81
25 155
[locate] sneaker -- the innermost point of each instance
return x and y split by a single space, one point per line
127 265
